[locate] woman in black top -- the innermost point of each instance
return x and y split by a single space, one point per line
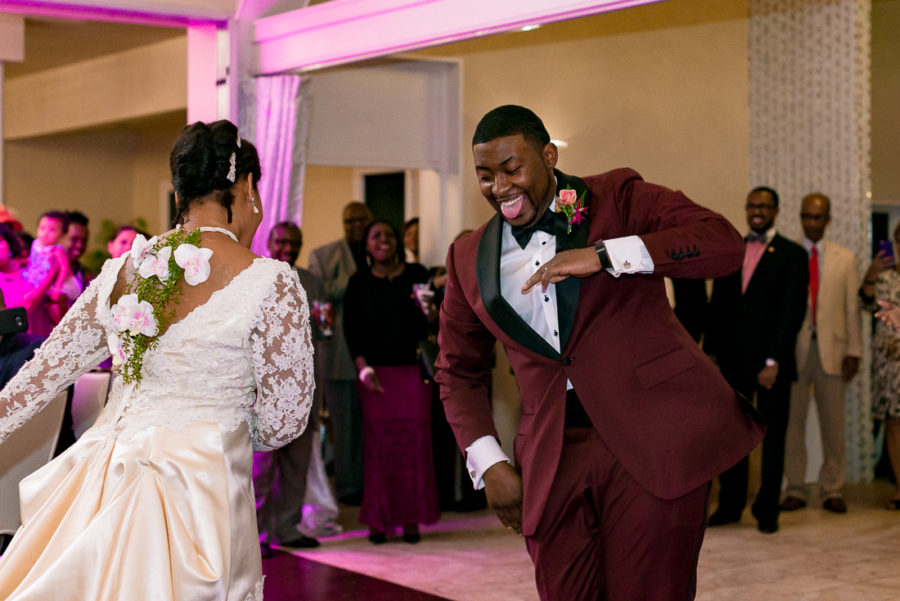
383 324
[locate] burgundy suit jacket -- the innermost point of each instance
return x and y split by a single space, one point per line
662 408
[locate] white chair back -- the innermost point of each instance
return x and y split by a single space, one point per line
24 452
88 398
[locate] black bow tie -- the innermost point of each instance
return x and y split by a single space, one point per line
547 224
755 237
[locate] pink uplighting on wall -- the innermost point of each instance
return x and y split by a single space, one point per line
100 13
343 31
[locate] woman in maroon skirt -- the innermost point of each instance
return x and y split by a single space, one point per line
383 323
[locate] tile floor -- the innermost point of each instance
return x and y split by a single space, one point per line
815 556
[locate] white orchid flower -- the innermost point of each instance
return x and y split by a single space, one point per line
115 349
194 261
140 247
157 264
122 311
135 316
142 320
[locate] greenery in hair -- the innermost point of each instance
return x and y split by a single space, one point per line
162 296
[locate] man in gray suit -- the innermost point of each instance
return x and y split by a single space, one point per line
279 477
334 263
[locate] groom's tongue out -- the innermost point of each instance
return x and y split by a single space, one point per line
512 207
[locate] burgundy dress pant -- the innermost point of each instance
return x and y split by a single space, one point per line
603 537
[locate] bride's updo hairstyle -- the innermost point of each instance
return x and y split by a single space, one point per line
201 164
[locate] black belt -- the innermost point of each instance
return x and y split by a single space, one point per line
576 416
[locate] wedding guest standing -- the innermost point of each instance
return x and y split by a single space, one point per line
279 476
882 283
756 314
383 323
121 241
828 351
334 263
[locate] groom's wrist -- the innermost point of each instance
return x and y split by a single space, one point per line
600 249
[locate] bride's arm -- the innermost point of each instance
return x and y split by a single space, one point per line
282 357
76 345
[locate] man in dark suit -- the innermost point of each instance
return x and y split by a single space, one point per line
624 419
755 315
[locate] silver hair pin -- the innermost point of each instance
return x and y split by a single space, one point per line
232 170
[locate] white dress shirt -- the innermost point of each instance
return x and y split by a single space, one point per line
538 308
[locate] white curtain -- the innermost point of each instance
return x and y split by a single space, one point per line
273 115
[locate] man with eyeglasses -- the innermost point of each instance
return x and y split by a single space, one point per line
755 316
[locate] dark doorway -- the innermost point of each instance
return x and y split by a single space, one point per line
385 193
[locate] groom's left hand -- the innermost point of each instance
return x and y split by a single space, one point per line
503 487
578 262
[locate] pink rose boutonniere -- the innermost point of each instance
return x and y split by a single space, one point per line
570 204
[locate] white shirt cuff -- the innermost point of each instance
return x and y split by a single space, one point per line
628 255
480 455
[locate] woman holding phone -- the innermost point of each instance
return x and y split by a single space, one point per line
880 291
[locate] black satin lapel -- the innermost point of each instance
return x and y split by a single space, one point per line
487 270
568 290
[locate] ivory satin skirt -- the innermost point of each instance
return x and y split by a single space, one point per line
159 515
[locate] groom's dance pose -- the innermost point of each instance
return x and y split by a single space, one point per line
624 419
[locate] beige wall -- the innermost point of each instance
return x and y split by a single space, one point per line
111 174
326 191
885 100
660 88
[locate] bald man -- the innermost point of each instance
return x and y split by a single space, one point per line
828 350
334 263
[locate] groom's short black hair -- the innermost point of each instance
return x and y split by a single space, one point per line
511 120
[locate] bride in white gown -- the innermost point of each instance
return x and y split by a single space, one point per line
155 501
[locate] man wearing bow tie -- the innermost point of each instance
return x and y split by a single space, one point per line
624 420
755 316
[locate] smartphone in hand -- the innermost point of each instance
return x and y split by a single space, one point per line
887 248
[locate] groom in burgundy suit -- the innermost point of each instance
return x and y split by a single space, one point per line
624 420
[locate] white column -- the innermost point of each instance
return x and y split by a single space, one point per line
810 71
202 68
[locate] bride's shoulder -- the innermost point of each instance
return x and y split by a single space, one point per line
269 270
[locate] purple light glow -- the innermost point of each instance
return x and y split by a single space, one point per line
344 31
30 8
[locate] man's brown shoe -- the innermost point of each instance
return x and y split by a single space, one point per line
835 505
792 503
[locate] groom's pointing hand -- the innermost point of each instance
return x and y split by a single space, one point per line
577 262
503 487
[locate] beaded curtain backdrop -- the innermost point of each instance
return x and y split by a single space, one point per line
810 79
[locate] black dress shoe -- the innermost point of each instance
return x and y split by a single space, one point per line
720 518
304 542
835 505
767 525
766 521
377 538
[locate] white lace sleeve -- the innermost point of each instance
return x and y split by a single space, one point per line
76 345
282 357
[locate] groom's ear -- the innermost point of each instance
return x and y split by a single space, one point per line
550 154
